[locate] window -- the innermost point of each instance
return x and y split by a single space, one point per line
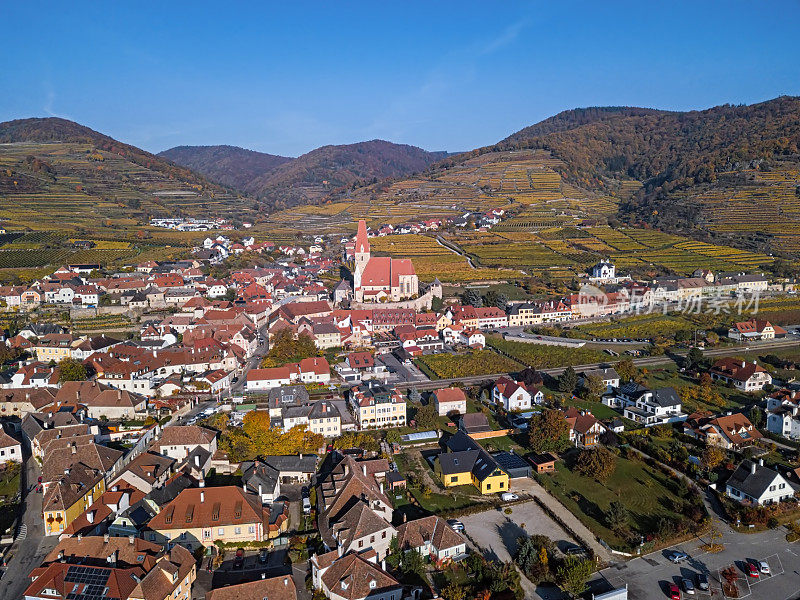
237 530
360 543
383 535
220 531
251 529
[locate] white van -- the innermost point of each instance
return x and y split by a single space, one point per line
306 506
509 497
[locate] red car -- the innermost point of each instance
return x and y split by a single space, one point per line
752 570
674 592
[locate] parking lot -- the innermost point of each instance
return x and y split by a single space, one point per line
650 576
496 533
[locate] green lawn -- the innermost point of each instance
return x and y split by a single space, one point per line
646 493
598 409
670 377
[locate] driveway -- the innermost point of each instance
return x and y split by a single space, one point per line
648 577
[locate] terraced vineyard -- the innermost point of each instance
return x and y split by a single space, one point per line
432 259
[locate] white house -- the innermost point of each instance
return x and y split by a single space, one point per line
609 376
431 536
745 376
783 413
648 407
10 448
450 400
754 483
513 395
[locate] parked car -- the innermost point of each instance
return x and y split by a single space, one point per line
674 592
688 586
455 524
677 557
763 566
304 492
702 581
752 570
306 506
509 497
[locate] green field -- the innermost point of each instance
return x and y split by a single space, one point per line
645 492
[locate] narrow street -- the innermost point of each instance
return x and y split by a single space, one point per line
31 546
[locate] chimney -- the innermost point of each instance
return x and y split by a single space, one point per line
61 556
196 461
381 487
760 462
753 468
105 538
131 539
90 516
202 483
743 364
260 493
74 448
364 469
285 582
80 537
263 576
202 496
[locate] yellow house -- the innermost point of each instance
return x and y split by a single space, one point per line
70 496
202 516
466 462
54 346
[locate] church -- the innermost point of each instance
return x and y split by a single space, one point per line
377 279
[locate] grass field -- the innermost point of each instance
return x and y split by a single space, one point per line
646 493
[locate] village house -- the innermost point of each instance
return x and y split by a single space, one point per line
376 406
755 329
756 484
202 516
433 537
467 463
514 396
645 406
584 429
449 400
745 376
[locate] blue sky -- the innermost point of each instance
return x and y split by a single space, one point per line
286 77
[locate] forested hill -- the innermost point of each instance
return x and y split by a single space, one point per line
666 150
283 182
230 165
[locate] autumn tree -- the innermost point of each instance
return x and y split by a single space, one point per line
548 431
426 417
71 369
598 463
626 370
712 457
285 348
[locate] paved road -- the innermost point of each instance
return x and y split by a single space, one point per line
28 553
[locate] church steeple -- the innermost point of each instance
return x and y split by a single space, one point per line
361 253
362 240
